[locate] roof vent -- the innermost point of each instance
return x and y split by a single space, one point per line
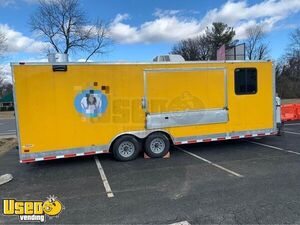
58 58
169 58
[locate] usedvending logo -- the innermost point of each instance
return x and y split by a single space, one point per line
91 103
33 211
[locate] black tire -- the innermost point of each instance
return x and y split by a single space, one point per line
157 145
129 144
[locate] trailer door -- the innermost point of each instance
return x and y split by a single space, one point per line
185 97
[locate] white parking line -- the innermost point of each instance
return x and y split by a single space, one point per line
11 130
109 192
7 136
292 124
181 223
273 147
7 133
211 163
290 132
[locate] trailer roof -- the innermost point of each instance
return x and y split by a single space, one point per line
138 63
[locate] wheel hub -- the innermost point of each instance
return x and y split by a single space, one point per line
157 145
126 149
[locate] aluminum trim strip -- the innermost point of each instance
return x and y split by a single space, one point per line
142 63
186 118
75 151
274 95
226 136
16 110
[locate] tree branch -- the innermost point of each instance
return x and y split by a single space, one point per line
65 26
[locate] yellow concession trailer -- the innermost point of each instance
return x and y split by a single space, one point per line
75 109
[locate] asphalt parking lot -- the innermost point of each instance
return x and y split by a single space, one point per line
7 127
253 181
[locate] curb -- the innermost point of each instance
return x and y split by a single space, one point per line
8 136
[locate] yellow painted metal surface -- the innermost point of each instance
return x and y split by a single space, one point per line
49 120
193 90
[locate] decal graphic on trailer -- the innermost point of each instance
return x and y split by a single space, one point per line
91 103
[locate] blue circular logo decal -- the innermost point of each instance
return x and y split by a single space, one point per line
91 103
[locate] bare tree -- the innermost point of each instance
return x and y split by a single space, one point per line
99 40
288 72
205 46
2 43
293 50
193 49
295 39
188 49
5 86
64 24
256 48
2 52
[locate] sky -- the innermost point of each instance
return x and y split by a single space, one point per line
143 29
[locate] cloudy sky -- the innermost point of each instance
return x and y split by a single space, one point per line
142 29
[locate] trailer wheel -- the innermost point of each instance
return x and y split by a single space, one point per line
157 145
126 148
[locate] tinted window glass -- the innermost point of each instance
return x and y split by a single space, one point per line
245 81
